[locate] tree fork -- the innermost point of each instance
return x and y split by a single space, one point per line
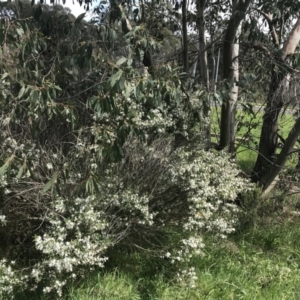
287 149
268 140
274 104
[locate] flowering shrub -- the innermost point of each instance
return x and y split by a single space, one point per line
158 191
153 191
8 278
85 167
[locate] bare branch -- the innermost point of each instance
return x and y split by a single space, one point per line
258 46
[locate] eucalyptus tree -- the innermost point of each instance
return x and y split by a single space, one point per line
283 24
284 28
231 72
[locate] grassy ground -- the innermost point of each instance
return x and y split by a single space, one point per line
261 263
248 133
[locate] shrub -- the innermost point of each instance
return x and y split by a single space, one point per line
155 193
84 167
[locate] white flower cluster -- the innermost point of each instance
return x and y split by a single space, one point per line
74 239
2 220
153 189
187 277
154 119
213 184
3 181
9 279
136 207
80 230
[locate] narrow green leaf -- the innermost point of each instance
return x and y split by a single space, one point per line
121 61
20 172
6 164
128 89
4 75
21 92
51 182
129 62
115 77
79 18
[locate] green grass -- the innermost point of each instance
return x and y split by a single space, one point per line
260 263
112 286
248 134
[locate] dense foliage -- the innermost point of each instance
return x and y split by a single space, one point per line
105 130
98 153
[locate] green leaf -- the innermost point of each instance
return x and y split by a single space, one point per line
6 164
218 97
69 71
121 83
20 172
79 18
115 77
128 89
121 61
21 92
51 182
4 75
75 71
34 97
89 186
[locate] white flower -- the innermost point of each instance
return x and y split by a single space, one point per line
49 166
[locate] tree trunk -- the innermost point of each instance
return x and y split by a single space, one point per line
204 69
202 45
268 138
185 59
234 93
230 65
267 179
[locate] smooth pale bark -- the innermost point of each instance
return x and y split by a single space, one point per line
268 138
230 70
193 69
234 92
202 45
204 68
293 40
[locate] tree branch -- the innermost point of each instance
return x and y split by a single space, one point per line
292 41
269 20
257 46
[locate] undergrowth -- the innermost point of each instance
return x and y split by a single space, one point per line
261 260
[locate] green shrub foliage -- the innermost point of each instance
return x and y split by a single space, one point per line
88 158
153 193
